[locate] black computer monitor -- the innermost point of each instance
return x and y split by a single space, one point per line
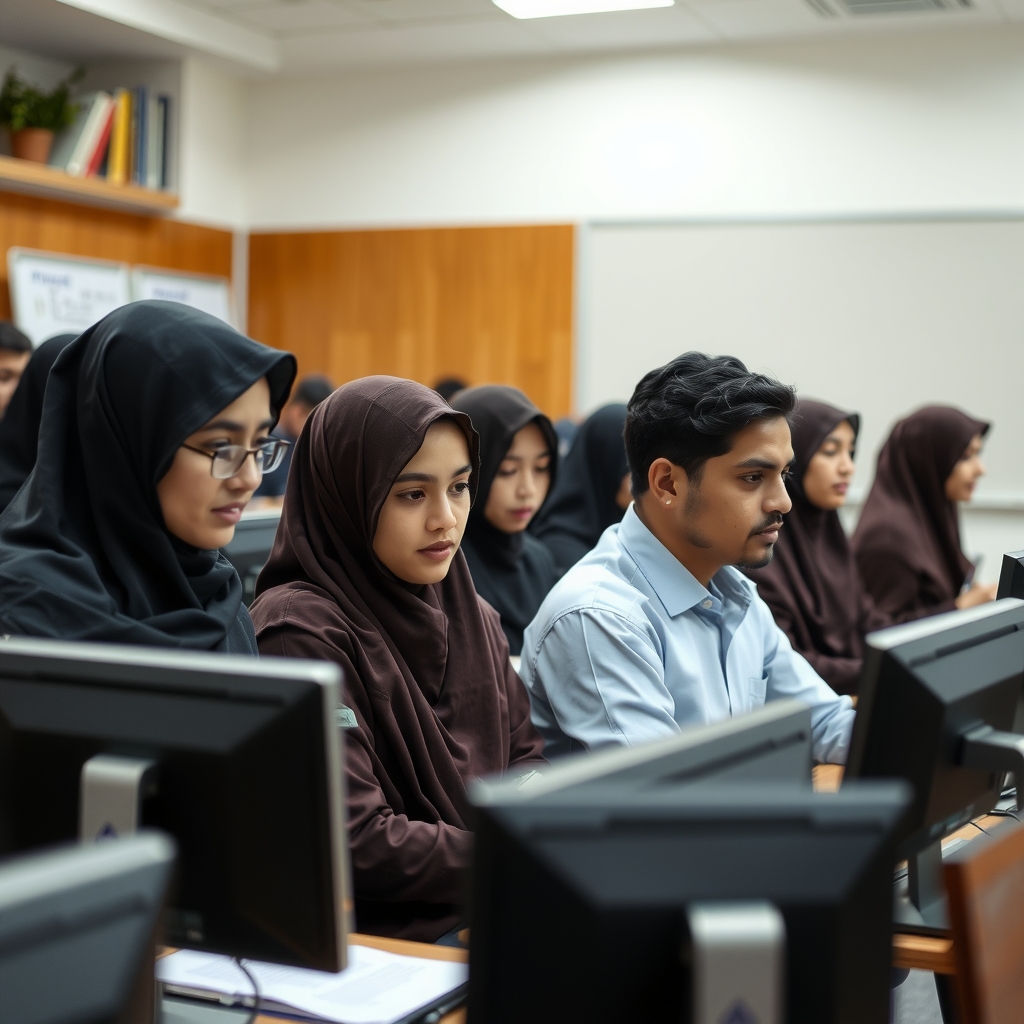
250 547
935 701
78 931
580 905
239 759
1011 575
770 744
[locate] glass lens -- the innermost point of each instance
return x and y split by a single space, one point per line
273 455
227 461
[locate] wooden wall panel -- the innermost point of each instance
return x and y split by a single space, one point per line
491 305
92 231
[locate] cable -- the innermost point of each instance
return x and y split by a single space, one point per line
255 990
979 828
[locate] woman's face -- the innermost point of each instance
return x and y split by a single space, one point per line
521 483
198 508
966 473
830 470
424 515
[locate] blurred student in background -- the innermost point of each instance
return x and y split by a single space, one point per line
15 349
512 570
313 389
155 430
367 573
592 490
448 387
907 541
19 429
811 584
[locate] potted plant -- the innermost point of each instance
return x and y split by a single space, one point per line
32 116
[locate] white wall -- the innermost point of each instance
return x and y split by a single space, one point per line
898 123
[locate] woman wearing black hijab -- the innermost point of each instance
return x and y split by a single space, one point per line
143 469
19 429
511 570
811 583
592 491
907 540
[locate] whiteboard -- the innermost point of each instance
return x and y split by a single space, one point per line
55 294
874 316
210 294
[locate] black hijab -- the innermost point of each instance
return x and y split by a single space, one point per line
19 429
583 504
84 553
512 572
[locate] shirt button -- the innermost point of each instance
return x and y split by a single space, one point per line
707 602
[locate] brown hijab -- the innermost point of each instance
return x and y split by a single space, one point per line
811 583
907 542
432 696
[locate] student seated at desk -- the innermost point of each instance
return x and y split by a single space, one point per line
512 570
811 584
592 490
907 540
655 628
19 429
154 429
367 572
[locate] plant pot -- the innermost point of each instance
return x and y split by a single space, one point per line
32 144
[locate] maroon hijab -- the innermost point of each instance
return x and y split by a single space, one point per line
907 542
811 583
427 674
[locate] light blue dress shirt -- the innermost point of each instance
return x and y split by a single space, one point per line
628 647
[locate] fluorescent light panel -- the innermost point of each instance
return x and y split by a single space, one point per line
559 8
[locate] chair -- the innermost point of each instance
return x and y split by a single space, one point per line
985 887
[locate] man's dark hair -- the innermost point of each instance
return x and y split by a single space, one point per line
12 340
313 389
689 410
448 387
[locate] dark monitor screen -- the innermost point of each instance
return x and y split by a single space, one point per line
769 744
78 931
578 905
924 686
239 759
250 548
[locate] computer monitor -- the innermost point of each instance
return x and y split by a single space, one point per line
78 931
239 759
935 701
770 744
250 547
1011 576
582 905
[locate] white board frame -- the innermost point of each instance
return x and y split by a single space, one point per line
114 274
216 288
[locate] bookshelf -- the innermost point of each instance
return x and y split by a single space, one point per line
41 180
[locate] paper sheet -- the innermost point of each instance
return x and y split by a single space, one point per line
376 988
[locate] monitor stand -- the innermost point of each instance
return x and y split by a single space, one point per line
920 901
112 790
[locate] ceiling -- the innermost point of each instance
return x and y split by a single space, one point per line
298 37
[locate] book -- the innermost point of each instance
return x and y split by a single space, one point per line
165 135
73 147
119 159
154 142
97 161
377 987
140 108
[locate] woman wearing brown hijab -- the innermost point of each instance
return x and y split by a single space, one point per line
366 572
907 542
811 583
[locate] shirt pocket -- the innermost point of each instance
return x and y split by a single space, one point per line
757 687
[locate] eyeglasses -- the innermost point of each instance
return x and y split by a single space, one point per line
225 462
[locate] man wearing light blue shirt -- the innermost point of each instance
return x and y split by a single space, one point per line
655 629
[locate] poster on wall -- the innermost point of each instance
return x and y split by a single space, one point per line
56 294
210 294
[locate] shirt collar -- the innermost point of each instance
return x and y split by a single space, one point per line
677 588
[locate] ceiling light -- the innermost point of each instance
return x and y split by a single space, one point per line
557 8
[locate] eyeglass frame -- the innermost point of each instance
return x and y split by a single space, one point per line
280 445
